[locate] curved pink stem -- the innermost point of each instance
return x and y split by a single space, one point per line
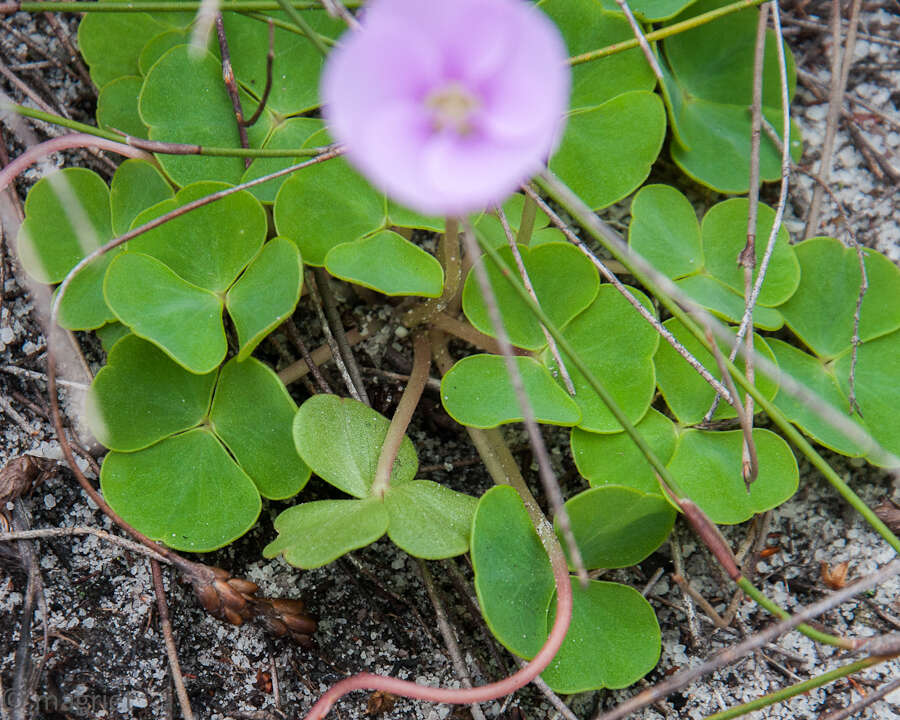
64 142
467 696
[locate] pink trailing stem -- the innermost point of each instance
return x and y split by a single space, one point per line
64 142
467 696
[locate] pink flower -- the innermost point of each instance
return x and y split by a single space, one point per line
448 105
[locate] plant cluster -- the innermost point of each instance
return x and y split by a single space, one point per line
200 431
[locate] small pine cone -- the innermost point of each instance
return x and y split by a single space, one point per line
222 596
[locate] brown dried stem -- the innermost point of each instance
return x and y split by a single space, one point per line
290 328
171 652
231 85
840 72
853 708
446 630
449 257
319 284
270 60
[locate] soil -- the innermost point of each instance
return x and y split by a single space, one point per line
105 654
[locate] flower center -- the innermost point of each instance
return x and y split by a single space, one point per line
452 107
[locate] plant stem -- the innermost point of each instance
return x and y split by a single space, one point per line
323 282
792 690
159 146
542 457
409 401
301 23
449 257
665 32
526 222
751 590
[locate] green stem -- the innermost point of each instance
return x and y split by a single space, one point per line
752 591
240 6
665 32
559 192
797 689
201 150
285 26
526 222
301 23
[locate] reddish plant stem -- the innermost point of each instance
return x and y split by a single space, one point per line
466 696
270 59
64 142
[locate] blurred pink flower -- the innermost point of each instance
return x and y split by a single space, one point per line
448 105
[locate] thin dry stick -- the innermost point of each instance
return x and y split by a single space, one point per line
447 633
329 337
22 659
297 339
868 37
751 357
854 340
651 583
554 699
337 9
704 604
726 657
678 562
74 55
231 85
171 651
545 470
34 375
840 71
409 401
853 708
747 257
323 282
13 415
720 389
27 91
74 531
38 50
526 281
642 41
